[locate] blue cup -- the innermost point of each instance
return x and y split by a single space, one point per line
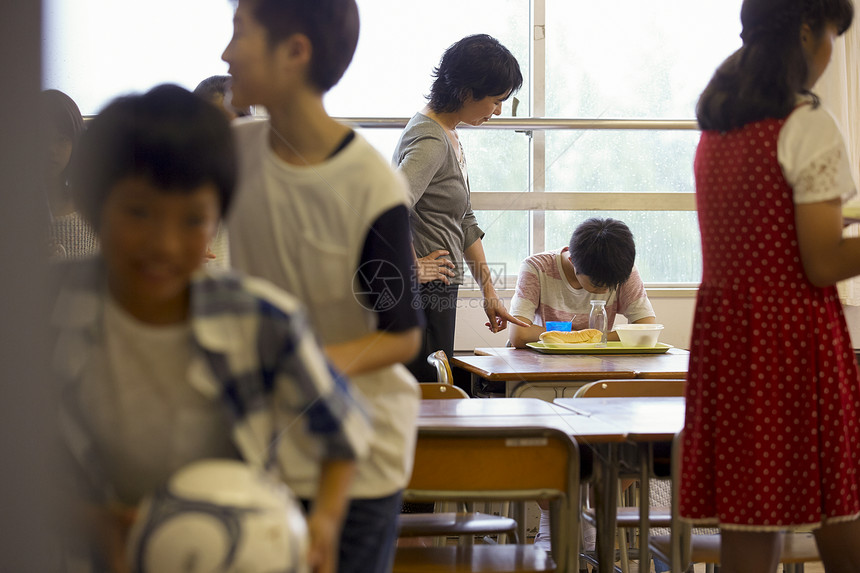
562 325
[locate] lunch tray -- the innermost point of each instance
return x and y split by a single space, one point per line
591 348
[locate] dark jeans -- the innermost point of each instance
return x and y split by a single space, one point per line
369 535
439 302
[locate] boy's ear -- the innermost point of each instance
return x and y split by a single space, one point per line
296 51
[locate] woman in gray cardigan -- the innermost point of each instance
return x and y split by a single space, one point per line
475 76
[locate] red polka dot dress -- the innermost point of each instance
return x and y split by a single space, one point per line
772 430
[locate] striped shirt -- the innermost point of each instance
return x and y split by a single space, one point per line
543 294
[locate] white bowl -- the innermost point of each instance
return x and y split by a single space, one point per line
642 335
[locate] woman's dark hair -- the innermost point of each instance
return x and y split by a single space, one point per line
213 86
604 251
176 140
476 66
216 89
763 78
60 112
331 26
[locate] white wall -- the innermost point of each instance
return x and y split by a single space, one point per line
675 313
852 315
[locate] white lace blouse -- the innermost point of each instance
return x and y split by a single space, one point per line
813 157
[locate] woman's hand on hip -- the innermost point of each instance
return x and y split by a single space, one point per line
435 268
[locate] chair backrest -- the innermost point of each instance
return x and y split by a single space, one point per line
634 387
502 464
443 369
441 391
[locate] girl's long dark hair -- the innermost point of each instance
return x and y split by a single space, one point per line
60 112
764 77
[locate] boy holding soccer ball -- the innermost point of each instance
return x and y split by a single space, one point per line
164 362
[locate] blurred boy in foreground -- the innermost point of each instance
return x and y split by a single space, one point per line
163 362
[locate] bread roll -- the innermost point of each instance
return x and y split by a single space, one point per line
589 335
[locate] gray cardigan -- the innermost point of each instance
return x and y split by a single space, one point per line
441 209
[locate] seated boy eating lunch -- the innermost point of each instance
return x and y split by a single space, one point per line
559 285
162 361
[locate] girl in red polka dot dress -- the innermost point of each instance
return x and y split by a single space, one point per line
772 432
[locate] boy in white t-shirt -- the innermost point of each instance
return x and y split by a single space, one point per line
323 216
559 285
162 361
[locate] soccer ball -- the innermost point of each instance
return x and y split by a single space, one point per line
219 516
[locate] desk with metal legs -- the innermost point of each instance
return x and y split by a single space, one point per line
643 422
523 370
615 428
523 423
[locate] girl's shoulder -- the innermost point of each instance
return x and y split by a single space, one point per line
809 130
813 118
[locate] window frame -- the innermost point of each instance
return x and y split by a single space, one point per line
537 201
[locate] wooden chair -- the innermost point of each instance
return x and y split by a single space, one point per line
797 549
638 387
463 524
443 368
441 391
503 464
681 547
454 523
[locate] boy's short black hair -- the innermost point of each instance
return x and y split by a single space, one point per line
175 139
604 251
331 26
476 66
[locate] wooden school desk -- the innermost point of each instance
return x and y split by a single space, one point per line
528 373
643 422
504 430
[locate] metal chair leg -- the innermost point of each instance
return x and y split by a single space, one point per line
622 549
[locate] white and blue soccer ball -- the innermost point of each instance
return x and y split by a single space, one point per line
219 516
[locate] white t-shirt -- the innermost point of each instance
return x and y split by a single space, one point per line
303 228
543 293
147 421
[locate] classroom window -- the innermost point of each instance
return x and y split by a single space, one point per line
401 42
96 50
644 62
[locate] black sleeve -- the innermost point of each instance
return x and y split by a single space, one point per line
386 272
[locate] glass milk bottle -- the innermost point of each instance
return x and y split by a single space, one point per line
597 318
